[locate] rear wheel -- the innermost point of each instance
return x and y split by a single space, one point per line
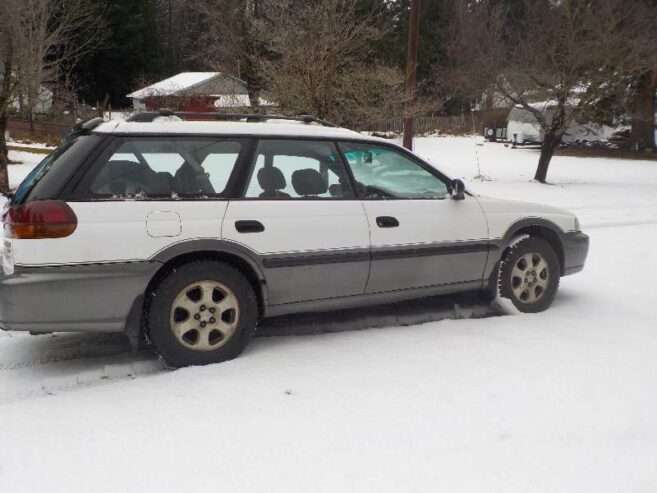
202 312
529 275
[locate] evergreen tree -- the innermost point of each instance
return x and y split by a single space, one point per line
132 53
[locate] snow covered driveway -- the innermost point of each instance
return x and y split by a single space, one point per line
563 401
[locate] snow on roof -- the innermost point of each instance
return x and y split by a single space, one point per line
175 84
547 105
237 101
274 128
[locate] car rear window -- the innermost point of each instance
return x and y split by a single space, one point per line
144 167
50 176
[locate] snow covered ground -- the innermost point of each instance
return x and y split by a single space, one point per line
563 401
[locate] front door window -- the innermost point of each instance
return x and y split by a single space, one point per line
382 173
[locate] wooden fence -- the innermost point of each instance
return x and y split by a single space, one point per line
19 128
470 122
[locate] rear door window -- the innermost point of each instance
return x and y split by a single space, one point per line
295 169
166 168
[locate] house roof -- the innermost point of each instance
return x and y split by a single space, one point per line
175 85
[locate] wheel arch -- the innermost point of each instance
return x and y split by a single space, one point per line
187 251
540 228
232 254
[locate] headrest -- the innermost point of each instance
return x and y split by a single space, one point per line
118 169
271 179
308 182
161 183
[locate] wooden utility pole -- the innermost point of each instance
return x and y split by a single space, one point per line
411 72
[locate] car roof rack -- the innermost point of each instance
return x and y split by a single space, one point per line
83 127
150 116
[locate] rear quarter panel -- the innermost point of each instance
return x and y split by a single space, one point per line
123 231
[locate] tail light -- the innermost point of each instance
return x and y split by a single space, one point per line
40 219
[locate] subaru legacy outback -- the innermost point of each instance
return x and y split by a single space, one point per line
187 233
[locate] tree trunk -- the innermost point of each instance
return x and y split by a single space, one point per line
253 83
551 141
4 154
254 98
31 110
643 113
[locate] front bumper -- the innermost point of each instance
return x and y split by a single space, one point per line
575 249
77 298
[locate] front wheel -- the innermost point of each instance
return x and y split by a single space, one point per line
202 312
529 275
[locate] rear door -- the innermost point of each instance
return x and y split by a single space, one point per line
299 216
420 236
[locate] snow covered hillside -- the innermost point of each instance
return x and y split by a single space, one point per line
561 401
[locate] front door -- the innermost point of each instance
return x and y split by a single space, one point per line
299 216
420 236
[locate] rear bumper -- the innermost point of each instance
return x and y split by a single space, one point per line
80 298
575 249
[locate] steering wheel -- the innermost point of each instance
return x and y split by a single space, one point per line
378 193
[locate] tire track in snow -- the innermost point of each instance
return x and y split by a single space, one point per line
413 312
33 382
57 357
33 366
38 366
20 350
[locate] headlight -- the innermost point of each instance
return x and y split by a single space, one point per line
578 226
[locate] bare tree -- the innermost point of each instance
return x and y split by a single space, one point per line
235 38
573 54
8 81
324 64
40 39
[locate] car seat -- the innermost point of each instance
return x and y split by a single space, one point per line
271 180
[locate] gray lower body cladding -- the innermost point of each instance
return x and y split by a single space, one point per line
575 251
89 298
102 297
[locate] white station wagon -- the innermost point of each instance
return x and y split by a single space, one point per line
188 233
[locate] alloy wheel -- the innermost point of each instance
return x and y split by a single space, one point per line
530 277
204 315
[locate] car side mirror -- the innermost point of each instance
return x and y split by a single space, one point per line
457 190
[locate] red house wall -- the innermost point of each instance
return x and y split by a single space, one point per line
198 104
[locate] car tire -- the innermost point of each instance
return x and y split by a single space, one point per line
202 312
529 275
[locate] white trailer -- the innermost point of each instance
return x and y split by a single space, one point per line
523 128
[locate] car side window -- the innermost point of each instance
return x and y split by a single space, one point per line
383 173
293 169
166 168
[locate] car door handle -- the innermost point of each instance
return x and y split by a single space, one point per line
387 222
249 226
